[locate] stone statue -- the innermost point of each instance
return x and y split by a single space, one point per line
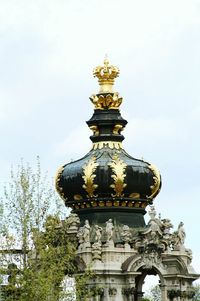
152 212
126 234
98 233
167 225
86 231
179 236
181 233
80 235
109 229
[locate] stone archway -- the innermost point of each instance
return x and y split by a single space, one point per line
139 282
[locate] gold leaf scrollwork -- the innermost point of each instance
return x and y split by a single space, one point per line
104 102
157 180
89 176
57 182
118 167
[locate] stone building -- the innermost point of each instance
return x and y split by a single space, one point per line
108 191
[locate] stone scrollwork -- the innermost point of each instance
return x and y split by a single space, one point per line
128 291
151 259
73 222
96 251
112 291
89 176
118 168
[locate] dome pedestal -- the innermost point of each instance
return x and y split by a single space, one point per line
133 217
121 257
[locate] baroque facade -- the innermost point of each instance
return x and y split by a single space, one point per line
108 191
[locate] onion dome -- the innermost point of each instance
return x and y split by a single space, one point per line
107 182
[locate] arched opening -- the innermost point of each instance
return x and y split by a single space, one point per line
145 281
151 288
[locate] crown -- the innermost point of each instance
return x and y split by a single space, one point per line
106 75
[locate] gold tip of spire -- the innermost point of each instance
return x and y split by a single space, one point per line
106 75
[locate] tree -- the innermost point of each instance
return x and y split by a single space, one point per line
154 294
35 232
197 292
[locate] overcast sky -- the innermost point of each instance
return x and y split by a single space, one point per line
47 52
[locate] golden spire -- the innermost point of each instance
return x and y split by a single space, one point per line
106 98
106 75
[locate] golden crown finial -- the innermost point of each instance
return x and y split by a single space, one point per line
106 75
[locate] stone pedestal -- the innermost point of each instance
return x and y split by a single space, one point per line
120 268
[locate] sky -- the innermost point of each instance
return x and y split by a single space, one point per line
48 49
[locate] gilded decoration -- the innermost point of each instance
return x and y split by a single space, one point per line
57 181
134 195
106 101
109 144
106 75
157 180
95 130
117 129
89 176
118 168
77 197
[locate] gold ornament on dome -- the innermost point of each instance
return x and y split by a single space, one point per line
157 180
118 168
57 181
106 101
107 144
89 176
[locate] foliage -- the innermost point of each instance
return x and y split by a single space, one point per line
47 254
154 294
197 292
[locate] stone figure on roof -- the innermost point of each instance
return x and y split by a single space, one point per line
109 229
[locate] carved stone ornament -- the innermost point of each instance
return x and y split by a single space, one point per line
112 291
73 222
96 251
126 234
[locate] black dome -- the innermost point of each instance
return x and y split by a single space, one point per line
107 179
